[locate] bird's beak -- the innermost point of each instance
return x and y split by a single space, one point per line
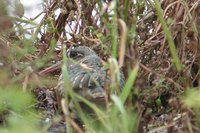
51 68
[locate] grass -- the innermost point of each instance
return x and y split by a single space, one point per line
158 59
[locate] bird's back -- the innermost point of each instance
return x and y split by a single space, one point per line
87 74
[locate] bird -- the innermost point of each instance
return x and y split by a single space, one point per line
86 73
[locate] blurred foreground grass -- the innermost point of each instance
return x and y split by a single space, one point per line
161 63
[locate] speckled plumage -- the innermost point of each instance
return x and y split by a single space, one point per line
86 73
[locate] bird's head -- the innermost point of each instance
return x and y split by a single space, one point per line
79 52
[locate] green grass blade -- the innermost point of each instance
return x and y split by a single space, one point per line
128 86
168 36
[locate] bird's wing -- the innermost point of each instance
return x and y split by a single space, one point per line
87 73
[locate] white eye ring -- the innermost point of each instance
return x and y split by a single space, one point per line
68 54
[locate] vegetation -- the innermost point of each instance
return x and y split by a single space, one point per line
155 43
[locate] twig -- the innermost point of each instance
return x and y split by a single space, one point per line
167 78
123 36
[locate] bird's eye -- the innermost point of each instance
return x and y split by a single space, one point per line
75 55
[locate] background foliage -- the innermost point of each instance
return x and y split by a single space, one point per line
155 42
